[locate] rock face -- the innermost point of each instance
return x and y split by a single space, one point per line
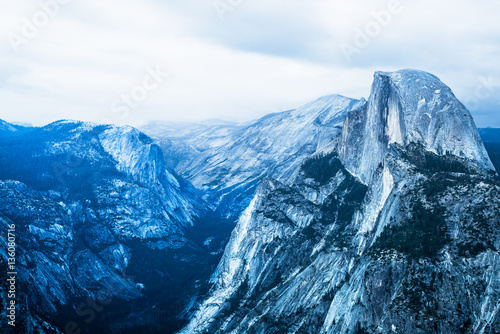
228 160
409 107
98 216
393 228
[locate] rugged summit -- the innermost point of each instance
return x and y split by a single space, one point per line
97 216
394 227
406 107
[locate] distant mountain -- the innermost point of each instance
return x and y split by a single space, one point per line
8 128
491 139
392 228
490 135
228 160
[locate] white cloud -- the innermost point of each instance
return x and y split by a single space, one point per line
263 57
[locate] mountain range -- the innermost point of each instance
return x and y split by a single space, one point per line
341 216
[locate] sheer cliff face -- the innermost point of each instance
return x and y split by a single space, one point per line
409 107
394 228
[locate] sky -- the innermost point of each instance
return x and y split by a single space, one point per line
130 62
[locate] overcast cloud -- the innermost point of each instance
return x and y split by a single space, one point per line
234 59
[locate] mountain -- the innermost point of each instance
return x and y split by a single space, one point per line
491 139
97 216
341 216
184 143
228 160
10 128
393 227
409 107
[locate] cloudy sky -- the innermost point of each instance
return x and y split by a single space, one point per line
128 62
